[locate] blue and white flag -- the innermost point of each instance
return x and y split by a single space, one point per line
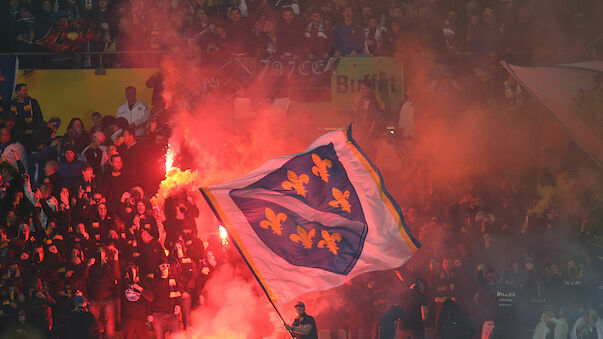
312 221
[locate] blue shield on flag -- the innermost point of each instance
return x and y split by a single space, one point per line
311 212
313 220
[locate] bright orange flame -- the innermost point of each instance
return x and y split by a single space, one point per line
223 235
169 159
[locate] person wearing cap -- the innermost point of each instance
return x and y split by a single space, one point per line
150 250
80 323
165 305
70 167
304 326
134 304
414 304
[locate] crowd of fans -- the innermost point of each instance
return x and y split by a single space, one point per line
83 252
316 29
76 226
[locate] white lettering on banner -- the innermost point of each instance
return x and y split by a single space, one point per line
507 295
288 68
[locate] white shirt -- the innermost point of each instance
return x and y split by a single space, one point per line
138 115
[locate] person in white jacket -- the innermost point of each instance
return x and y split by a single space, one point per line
549 324
588 326
134 111
542 329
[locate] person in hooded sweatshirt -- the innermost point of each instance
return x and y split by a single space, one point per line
134 305
388 324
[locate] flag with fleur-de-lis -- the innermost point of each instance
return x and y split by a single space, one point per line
313 220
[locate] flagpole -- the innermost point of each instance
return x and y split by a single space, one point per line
248 264
259 282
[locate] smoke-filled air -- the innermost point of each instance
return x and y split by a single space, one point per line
501 185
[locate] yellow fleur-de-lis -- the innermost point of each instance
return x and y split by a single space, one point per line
274 221
329 240
296 182
321 167
341 200
303 237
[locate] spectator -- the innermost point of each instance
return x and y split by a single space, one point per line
143 220
69 166
44 18
29 115
237 33
164 307
97 123
453 323
267 40
374 36
489 36
387 325
43 201
11 151
86 183
76 137
72 9
288 35
415 306
26 29
368 108
134 111
96 153
318 36
150 249
590 325
542 330
102 277
348 35
9 20
115 182
132 152
53 177
135 304
80 323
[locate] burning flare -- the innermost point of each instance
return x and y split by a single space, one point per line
169 159
223 235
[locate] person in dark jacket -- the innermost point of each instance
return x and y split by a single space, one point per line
164 307
151 252
80 323
70 167
102 279
29 115
76 136
349 35
135 297
454 323
387 325
415 303
304 326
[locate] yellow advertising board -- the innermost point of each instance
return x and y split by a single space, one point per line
71 93
384 74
